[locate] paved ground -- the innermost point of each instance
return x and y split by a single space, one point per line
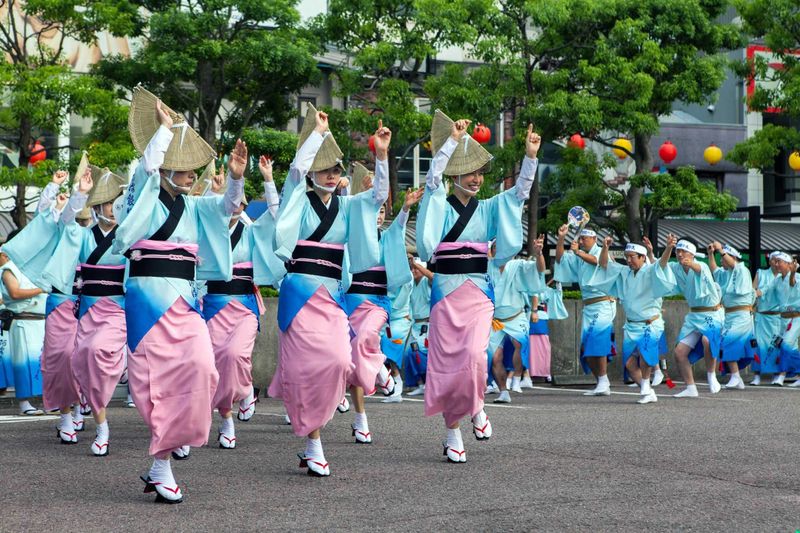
558 461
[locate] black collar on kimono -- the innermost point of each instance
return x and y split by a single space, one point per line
327 216
176 206
465 213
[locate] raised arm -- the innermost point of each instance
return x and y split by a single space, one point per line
48 196
538 246
603 262
270 191
422 270
562 235
527 173
237 163
434 177
651 256
672 240
78 199
711 250
380 184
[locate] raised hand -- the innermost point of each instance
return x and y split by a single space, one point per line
265 167
343 183
532 143
538 245
322 122
383 137
459 129
647 244
672 241
412 197
366 182
162 116
574 246
237 161
60 177
563 230
218 182
687 260
85 184
608 241
61 201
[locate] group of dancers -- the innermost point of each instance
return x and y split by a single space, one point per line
159 284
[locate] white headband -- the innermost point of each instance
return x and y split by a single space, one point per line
686 246
636 248
783 256
774 254
730 250
587 233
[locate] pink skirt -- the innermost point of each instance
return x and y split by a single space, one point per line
99 358
314 363
460 325
59 388
233 331
366 322
539 361
172 379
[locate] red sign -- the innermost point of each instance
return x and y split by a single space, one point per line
774 63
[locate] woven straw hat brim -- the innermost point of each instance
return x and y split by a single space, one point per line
440 130
82 166
468 157
107 186
187 150
202 183
84 214
309 123
329 155
359 173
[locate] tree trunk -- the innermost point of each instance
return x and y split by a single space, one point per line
18 214
207 115
643 157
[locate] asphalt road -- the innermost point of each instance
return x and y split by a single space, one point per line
557 461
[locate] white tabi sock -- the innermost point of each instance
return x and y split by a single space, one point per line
479 420
162 471
65 424
454 439
398 385
712 376
691 388
227 426
102 431
314 449
361 423
25 405
515 382
645 385
76 413
383 375
736 376
602 382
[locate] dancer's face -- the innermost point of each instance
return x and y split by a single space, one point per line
471 182
381 215
635 261
329 177
587 243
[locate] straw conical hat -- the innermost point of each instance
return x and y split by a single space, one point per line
187 151
358 175
82 166
329 154
107 186
203 183
468 157
440 130
84 214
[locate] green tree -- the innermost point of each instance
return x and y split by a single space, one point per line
390 46
777 23
599 66
232 63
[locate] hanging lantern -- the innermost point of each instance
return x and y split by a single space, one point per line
38 153
712 154
576 141
482 134
667 152
794 160
621 145
371 143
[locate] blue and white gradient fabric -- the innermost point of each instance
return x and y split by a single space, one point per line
738 335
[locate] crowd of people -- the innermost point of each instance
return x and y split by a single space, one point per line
154 282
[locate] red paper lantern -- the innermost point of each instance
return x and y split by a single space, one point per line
482 134
371 143
668 152
576 141
37 153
